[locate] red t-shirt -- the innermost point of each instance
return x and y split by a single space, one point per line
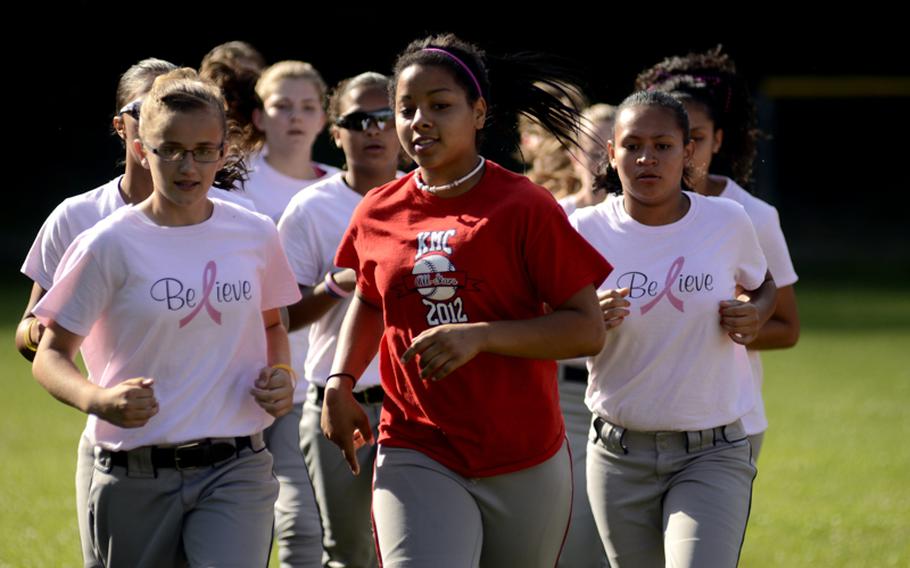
498 252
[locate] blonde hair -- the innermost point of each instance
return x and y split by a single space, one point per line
600 112
550 164
291 69
180 90
138 79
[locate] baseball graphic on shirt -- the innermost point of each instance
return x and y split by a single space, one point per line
431 283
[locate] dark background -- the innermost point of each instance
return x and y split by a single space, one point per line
833 97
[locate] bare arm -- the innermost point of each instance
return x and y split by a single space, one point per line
317 301
29 330
743 320
782 329
274 388
573 329
343 421
129 404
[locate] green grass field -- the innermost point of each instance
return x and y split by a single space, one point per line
833 478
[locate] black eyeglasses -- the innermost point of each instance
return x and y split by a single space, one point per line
132 109
204 155
360 120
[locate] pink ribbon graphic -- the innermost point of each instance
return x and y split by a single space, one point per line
208 285
672 275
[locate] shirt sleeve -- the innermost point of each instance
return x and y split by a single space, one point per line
300 242
47 251
351 254
774 245
560 261
82 289
751 265
279 287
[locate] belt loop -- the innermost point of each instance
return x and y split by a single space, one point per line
614 438
103 459
736 430
139 463
611 436
257 441
620 438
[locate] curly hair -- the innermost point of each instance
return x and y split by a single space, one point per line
235 67
710 79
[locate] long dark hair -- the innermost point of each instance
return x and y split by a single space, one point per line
235 67
710 79
538 86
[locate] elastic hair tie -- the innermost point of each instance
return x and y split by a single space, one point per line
461 63
346 375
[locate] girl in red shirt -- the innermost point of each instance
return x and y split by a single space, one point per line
470 282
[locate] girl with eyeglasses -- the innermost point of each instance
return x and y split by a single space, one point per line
723 126
311 229
174 304
669 467
470 281
78 213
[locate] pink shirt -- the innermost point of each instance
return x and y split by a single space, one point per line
182 305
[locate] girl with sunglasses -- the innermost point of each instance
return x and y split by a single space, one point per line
456 263
723 127
669 467
311 229
73 216
180 472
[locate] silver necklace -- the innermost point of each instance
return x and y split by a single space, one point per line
437 188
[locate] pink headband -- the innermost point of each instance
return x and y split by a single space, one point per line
460 62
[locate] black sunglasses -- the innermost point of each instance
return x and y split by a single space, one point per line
360 120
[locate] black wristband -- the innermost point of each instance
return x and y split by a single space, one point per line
348 375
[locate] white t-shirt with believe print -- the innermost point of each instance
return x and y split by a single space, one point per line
311 230
670 366
78 213
182 305
771 238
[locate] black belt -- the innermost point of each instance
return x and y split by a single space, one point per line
372 395
205 453
573 374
